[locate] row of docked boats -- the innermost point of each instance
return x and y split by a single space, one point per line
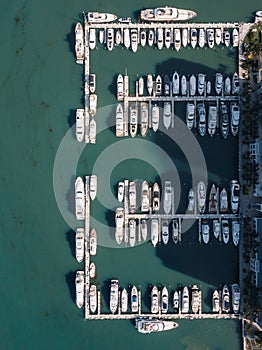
81 126
221 228
167 37
208 119
182 85
225 301
80 243
80 191
217 202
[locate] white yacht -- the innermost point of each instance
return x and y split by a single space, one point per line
226 38
205 231
110 39
213 200
216 228
166 85
100 17
101 36
167 201
218 83
145 197
160 38
152 325
227 87
176 303
143 228
151 37
93 298
185 301
120 87
218 36
80 244
154 231
132 197
164 300
155 117
195 302
92 82
165 232
79 43
156 197
167 114
143 37
80 124
224 120
133 119
141 86
177 39
184 37
210 38
143 118
124 300
92 131
175 83
234 195
92 38
202 37
154 300
132 232
126 20
93 187
118 37
235 37
223 201
193 37
119 120
235 232
119 220
93 242
175 230
235 84
235 116
225 230
114 286
215 302
149 84
225 299
166 14
201 111
92 104
183 85
201 196
79 198
127 41
235 297
134 40
158 85
79 285
134 299
92 270
191 201
192 85
168 37
201 83
212 118
190 115
208 89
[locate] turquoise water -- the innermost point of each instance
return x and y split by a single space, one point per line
40 88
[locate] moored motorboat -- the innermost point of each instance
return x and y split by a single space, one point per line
213 200
167 114
79 286
212 118
133 119
79 43
92 104
92 131
132 232
124 300
143 228
134 299
226 38
110 39
184 37
92 38
224 120
79 198
176 303
218 36
208 87
191 201
114 295
225 230
192 85
185 301
193 37
120 87
216 228
158 85
166 14
190 115
177 39
165 232
205 231
101 36
93 187
168 37
119 220
154 300
149 84
201 83
218 83
93 242
235 37
167 201
79 244
127 41
92 270
235 232
225 299
210 38
93 298
235 116
183 85
234 195
195 302
215 301
201 111
120 191
118 37
160 38
143 118
151 37
223 201
143 37
175 83
154 231
125 20
100 17
227 87
166 85
155 117
156 197
235 84
80 124
141 86
202 37
145 197
134 40
235 297
132 197
164 300
175 230
152 325
119 120
201 196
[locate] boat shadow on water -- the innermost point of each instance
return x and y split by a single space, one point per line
70 196
70 38
70 280
70 236
72 121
